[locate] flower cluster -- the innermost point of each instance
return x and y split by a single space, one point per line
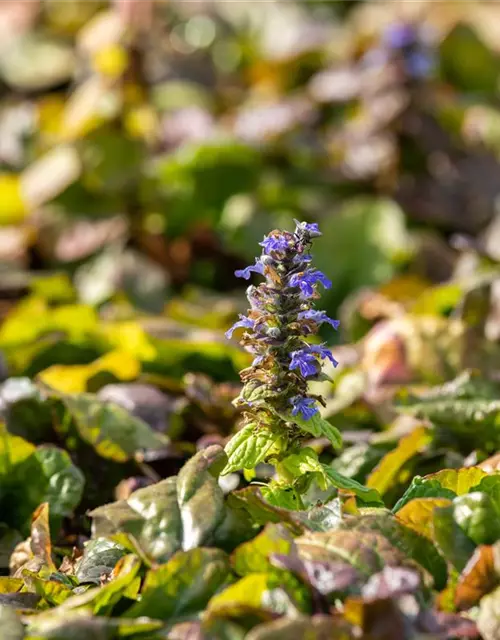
280 318
408 44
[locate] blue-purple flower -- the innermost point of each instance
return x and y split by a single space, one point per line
319 317
282 316
243 322
306 280
400 35
305 406
305 361
323 352
274 243
258 267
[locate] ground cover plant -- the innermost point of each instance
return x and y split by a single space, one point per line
192 448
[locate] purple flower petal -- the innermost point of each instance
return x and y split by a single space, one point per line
274 243
398 36
244 322
258 267
307 279
305 406
323 352
319 317
305 362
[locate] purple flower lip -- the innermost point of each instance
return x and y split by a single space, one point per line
305 361
243 322
245 273
274 243
323 352
306 280
399 36
303 405
319 317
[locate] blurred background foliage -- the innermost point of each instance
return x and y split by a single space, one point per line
145 149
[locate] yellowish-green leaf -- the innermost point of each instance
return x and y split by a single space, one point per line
74 378
110 61
460 481
249 446
248 591
418 514
12 206
385 473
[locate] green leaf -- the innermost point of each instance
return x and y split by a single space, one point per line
250 500
58 624
52 591
297 464
250 446
455 545
358 460
282 497
348 484
367 551
427 487
58 481
413 545
125 581
200 498
178 513
253 556
112 431
320 627
479 518
99 559
467 407
467 62
183 586
317 427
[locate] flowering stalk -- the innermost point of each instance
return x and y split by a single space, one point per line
280 412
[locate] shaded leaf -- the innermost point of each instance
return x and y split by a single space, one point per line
254 556
110 429
183 586
456 547
299 628
98 561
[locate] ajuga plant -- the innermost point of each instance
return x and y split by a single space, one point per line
279 411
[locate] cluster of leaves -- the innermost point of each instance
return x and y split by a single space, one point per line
145 149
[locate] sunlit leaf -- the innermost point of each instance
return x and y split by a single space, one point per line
385 473
479 577
418 513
